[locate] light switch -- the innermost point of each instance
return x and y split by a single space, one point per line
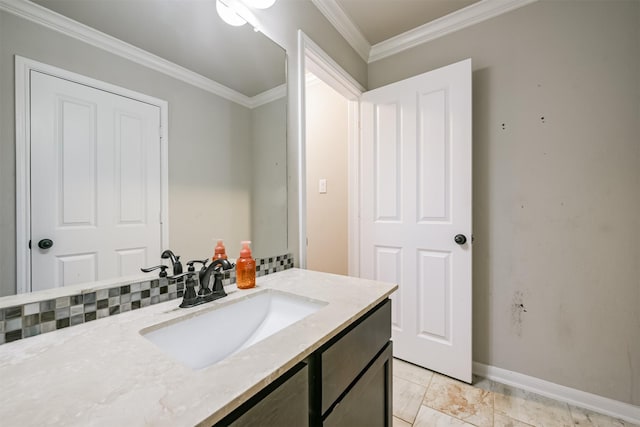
322 186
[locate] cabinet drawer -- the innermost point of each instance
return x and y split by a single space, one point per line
345 359
368 403
286 405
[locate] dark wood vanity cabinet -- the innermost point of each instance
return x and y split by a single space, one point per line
356 372
346 382
368 402
284 403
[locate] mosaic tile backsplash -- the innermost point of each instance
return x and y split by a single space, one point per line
35 318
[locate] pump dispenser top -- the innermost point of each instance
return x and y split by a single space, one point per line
245 267
245 251
219 252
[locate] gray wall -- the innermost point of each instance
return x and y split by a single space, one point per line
269 177
208 137
556 200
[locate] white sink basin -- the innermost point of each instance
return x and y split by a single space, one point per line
207 338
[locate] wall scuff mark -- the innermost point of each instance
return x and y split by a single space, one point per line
517 309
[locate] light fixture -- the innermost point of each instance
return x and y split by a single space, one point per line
236 12
260 4
229 15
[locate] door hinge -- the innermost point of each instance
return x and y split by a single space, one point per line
29 244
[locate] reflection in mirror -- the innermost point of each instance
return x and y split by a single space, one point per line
225 91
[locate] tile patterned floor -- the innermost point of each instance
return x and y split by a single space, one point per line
422 398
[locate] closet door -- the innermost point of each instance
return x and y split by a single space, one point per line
95 183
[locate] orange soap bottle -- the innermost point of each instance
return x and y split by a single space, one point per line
219 252
245 268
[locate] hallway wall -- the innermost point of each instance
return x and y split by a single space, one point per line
326 146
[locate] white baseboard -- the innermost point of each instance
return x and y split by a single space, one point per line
593 402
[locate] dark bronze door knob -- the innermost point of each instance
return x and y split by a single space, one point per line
460 239
45 244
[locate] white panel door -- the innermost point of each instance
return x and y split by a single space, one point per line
95 183
416 197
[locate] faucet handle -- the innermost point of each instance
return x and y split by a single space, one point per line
163 270
192 268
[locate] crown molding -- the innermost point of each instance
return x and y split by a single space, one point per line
268 96
345 26
54 21
470 15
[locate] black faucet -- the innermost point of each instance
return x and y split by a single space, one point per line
215 270
190 298
205 294
175 261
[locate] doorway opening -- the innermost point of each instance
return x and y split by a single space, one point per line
327 177
409 201
329 81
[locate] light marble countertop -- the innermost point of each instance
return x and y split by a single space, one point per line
104 373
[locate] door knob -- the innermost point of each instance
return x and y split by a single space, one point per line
460 239
45 243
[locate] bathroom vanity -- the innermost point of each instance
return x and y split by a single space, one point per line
332 386
332 367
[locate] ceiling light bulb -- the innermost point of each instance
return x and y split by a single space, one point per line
229 15
260 4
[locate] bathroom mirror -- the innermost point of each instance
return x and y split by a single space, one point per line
226 93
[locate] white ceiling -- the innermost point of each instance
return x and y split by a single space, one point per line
380 28
379 20
188 33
